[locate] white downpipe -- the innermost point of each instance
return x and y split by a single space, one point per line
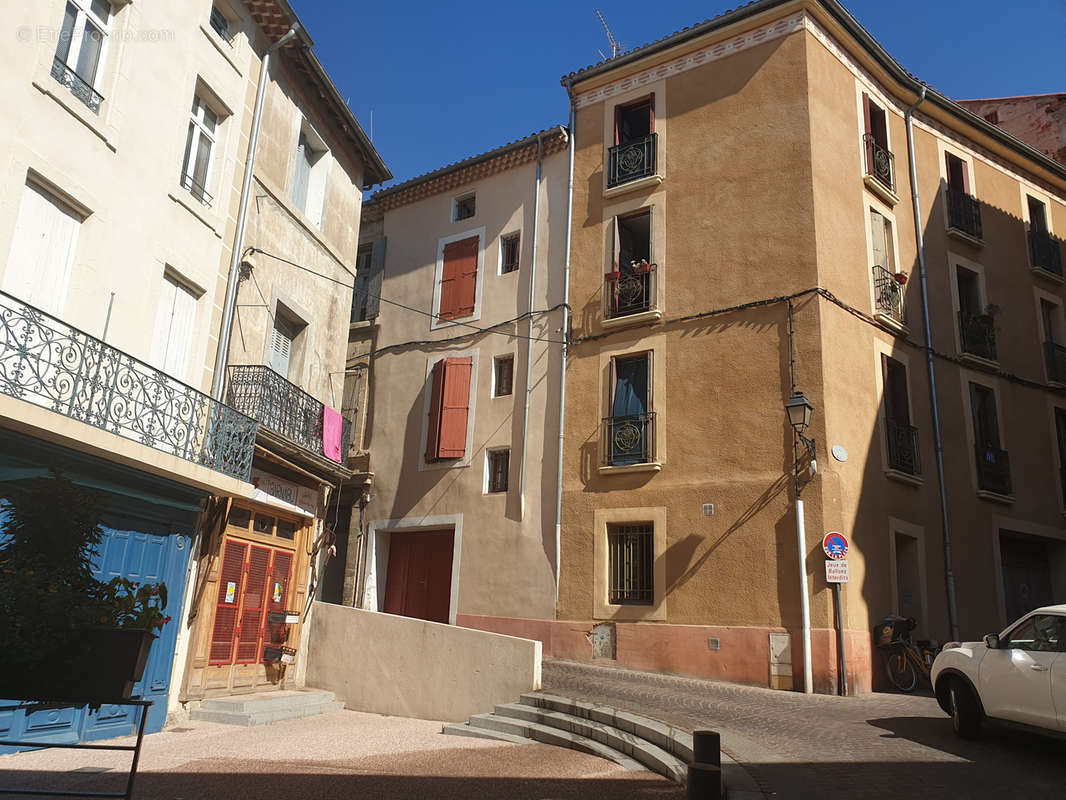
565 334
805 603
218 380
529 336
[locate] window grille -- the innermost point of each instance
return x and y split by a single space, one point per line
499 461
630 564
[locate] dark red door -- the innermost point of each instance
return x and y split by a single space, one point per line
419 581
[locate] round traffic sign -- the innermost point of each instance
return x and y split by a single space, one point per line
835 545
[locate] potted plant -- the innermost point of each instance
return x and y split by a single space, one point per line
63 633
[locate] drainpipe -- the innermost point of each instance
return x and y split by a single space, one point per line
949 575
566 337
529 339
218 381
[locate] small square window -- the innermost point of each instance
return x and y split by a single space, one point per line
509 253
630 564
465 207
239 518
499 462
502 376
286 529
264 525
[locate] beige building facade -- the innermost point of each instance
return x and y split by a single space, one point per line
456 386
123 186
759 162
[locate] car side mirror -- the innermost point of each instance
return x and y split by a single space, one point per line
992 641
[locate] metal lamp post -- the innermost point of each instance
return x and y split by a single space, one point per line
799 409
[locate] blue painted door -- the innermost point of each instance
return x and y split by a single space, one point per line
162 555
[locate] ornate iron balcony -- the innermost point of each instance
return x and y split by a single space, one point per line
48 363
964 212
1045 252
281 407
629 439
196 190
880 163
78 86
977 332
903 448
632 161
888 294
630 291
1055 359
993 470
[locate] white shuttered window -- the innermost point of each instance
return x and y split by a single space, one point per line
42 253
174 329
281 346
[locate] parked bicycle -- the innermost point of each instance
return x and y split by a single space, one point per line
905 661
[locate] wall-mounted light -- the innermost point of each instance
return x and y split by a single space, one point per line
799 409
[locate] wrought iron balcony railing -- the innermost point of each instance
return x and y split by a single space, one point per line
630 291
78 86
993 470
977 332
880 163
281 407
1055 359
964 212
196 190
629 439
903 448
632 161
45 361
220 25
1045 252
888 294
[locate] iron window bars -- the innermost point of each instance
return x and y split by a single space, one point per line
977 334
888 294
631 559
964 212
632 161
880 163
1045 252
629 291
78 86
629 439
903 452
46 362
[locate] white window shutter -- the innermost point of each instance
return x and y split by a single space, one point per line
174 330
42 253
280 348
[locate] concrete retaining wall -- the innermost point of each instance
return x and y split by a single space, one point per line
411 668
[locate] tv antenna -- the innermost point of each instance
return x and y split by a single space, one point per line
616 46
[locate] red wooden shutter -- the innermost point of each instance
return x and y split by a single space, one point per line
866 113
458 283
225 628
651 113
455 407
280 576
248 637
436 394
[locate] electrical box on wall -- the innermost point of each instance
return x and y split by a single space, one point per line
714 643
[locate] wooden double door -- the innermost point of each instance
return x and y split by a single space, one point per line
419 580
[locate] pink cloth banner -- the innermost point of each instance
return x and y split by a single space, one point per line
332 426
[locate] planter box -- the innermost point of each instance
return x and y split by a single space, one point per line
98 664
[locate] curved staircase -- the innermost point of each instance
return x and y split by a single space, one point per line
630 740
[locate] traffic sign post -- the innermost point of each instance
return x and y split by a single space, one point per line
835 545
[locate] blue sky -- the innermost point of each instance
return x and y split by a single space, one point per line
445 81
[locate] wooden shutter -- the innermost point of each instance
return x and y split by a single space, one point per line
879 239
301 178
651 113
455 407
280 575
281 346
251 628
458 285
377 274
866 113
229 597
436 392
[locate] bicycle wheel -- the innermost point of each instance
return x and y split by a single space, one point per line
901 671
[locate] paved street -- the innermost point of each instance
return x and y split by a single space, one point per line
797 747
345 754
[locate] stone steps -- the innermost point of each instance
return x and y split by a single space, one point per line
632 741
265 707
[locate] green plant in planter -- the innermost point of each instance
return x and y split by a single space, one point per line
50 602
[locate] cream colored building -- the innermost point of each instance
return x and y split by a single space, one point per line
126 156
459 389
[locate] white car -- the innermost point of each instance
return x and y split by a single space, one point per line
1018 676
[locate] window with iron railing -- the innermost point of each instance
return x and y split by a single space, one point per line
900 435
991 461
498 464
220 24
79 56
879 159
634 153
199 151
631 564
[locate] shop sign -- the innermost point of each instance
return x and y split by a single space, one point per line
302 496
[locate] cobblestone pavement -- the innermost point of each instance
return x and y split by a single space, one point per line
799 746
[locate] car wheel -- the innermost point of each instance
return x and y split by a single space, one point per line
901 671
965 713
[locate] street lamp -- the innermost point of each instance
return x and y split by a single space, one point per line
799 408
